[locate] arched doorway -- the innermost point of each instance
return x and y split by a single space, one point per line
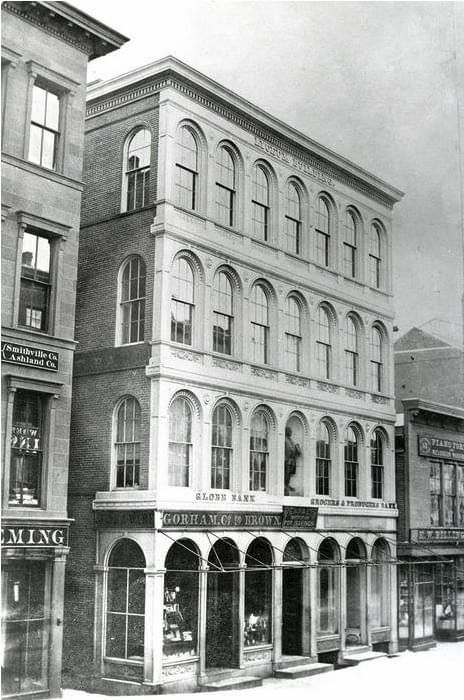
292 599
258 593
355 592
180 611
222 636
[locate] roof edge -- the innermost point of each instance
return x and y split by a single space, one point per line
99 29
433 407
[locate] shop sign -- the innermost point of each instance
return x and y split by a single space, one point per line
352 503
25 438
29 356
299 518
437 535
144 519
440 448
23 536
290 518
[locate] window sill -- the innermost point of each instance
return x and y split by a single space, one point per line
148 207
40 170
122 662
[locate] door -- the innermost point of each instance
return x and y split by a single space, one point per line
221 619
292 611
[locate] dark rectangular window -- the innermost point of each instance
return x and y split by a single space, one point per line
181 322
26 449
377 480
34 296
222 333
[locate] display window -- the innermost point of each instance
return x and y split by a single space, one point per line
258 593
403 604
27 439
180 610
423 602
222 605
328 580
379 585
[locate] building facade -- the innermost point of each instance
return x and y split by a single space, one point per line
232 470
430 489
45 51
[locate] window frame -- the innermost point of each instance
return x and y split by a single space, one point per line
142 170
183 168
218 313
185 304
351 462
377 360
230 191
177 472
260 225
136 444
293 338
224 450
350 245
292 221
324 344
324 460
131 303
377 459
352 351
323 242
260 476
260 328
448 500
376 258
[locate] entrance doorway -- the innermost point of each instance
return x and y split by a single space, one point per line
355 593
292 600
222 606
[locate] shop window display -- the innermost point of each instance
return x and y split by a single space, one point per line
379 585
258 594
180 611
328 583
423 603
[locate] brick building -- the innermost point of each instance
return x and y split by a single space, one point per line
430 488
232 469
45 50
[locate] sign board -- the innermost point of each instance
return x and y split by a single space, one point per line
291 518
437 535
121 519
440 448
299 518
36 536
28 356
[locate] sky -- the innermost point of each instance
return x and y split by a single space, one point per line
377 82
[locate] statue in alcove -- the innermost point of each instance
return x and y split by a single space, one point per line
292 452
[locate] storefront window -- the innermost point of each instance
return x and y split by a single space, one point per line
26 449
403 604
258 593
445 602
180 611
125 614
459 593
435 493
25 627
423 603
379 585
328 585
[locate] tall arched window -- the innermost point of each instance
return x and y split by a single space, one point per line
323 459
380 584
127 443
323 231
180 442
328 585
138 170
221 447
351 463
260 203
351 352
377 464
223 313
293 334
132 301
259 451
182 301
350 246
259 314
125 602
293 219
225 187
187 169
376 359
375 257
323 343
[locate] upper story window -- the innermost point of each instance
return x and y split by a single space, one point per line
324 343
44 132
259 451
293 334
351 463
377 464
260 203
350 246
36 278
351 352
187 169
376 359
27 440
127 444
223 314
180 442
221 448
259 315
182 301
323 459
225 187
138 170
293 219
323 232
446 494
132 301
375 257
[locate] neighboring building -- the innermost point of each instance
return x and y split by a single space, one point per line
430 489
232 469
45 50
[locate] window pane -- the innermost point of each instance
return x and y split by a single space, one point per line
48 149
117 590
39 97
53 111
116 636
35 144
135 637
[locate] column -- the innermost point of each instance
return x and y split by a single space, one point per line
153 641
100 575
342 616
56 621
365 602
313 580
7 443
277 642
202 618
241 615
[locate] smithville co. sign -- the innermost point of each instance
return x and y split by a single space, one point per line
30 357
440 448
39 536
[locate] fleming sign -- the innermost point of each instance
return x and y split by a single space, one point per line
440 448
30 357
23 536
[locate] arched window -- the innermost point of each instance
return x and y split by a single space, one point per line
259 451
225 187
324 344
375 257
351 463
180 610
351 352
221 448
223 314
138 170
328 589
377 464
260 203
350 246
293 219
127 443
132 301
380 584
125 602
187 169
259 314
323 231
182 301
376 359
180 442
323 459
258 593
293 334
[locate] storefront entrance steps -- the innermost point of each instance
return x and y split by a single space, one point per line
357 655
303 670
287 661
239 683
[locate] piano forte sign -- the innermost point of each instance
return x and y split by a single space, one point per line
293 161
291 519
29 357
440 448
